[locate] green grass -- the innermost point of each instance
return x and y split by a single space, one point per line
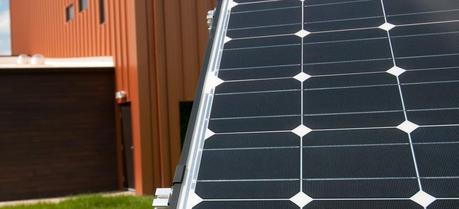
93 202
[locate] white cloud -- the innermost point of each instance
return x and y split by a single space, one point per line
4 22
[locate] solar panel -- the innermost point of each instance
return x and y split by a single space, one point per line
326 104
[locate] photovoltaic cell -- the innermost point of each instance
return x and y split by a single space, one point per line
319 104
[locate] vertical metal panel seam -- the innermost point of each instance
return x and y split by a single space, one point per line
161 82
116 44
155 89
125 47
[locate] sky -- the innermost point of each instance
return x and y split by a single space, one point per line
4 28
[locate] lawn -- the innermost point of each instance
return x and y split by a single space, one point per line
93 202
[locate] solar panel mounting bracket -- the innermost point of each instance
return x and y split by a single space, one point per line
179 174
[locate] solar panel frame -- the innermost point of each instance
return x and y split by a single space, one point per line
208 82
181 169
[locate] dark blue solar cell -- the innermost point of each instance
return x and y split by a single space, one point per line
327 104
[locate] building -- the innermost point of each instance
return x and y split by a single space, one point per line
158 47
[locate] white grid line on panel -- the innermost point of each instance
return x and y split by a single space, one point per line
439 125
361 179
308 147
355 145
353 113
352 74
334 41
429 82
320 114
322 199
316 75
437 143
428 56
292 7
250 148
258 2
350 87
361 199
309 89
258 79
263 26
347 74
261 47
309 64
257 92
341 61
344 2
361 18
433 68
306 43
345 29
245 180
336 88
354 128
256 117
402 100
244 200
302 95
424 34
260 37
343 20
425 12
252 132
261 67
337 3
332 129
264 10
427 23
328 179
331 146
347 61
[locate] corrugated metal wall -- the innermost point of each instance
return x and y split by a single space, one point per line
158 46
40 26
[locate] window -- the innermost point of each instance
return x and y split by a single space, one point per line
83 5
101 11
69 13
185 113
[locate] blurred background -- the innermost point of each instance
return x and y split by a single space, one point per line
5 42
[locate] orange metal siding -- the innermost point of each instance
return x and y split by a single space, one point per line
180 39
158 46
39 26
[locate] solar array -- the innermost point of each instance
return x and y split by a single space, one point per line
328 104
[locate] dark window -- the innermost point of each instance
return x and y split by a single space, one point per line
185 112
69 13
83 5
102 11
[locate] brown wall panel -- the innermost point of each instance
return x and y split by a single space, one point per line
57 133
158 46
